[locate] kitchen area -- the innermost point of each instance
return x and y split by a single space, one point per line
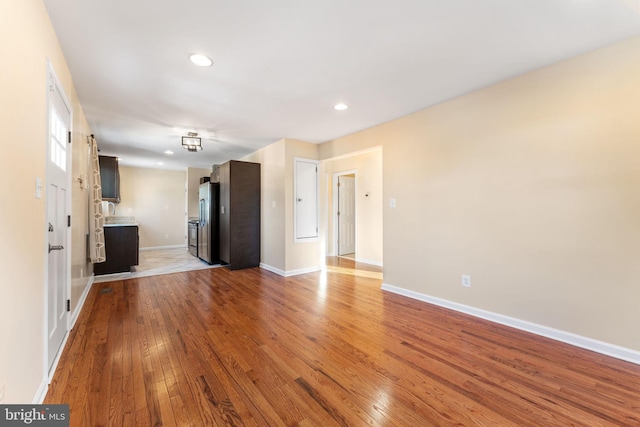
159 221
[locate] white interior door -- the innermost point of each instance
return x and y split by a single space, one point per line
306 199
346 214
57 210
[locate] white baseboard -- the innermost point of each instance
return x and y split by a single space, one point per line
153 248
302 271
290 272
601 347
41 393
83 297
44 386
368 261
272 269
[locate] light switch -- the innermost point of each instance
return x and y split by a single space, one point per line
392 203
273 204
38 187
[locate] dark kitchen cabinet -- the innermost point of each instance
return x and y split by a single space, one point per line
240 214
110 178
121 247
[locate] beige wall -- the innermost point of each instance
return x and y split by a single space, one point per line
157 199
300 255
193 187
368 171
28 40
272 226
278 249
529 186
81 268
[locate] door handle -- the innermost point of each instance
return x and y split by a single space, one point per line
299 200
55 248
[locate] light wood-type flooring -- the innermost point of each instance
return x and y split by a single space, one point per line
220 348
159 261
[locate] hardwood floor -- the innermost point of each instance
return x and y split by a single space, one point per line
214 347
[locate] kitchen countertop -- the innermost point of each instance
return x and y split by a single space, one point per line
120 221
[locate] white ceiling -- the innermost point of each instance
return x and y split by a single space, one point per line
281 65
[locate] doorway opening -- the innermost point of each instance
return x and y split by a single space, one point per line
344 205
357 232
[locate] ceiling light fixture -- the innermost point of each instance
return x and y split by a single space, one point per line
191 142
340 107
201 60
168 152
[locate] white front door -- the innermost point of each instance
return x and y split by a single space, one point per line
58 250
346 214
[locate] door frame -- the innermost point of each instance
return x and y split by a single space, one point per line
52 80
335 206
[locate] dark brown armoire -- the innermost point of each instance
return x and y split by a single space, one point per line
239 213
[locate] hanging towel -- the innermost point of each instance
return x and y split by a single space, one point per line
96 219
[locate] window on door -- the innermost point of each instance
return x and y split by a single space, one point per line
58 134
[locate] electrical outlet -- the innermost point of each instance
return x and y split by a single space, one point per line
1 393
466 280
166 237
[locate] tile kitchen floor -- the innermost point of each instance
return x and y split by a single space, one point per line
159 261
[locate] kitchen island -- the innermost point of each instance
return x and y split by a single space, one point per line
121 242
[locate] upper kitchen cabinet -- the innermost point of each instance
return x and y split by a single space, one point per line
240 214
110 177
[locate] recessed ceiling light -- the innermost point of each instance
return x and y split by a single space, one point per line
168 152
160 163
201 60
340 107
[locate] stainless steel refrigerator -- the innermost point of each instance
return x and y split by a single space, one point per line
209 226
